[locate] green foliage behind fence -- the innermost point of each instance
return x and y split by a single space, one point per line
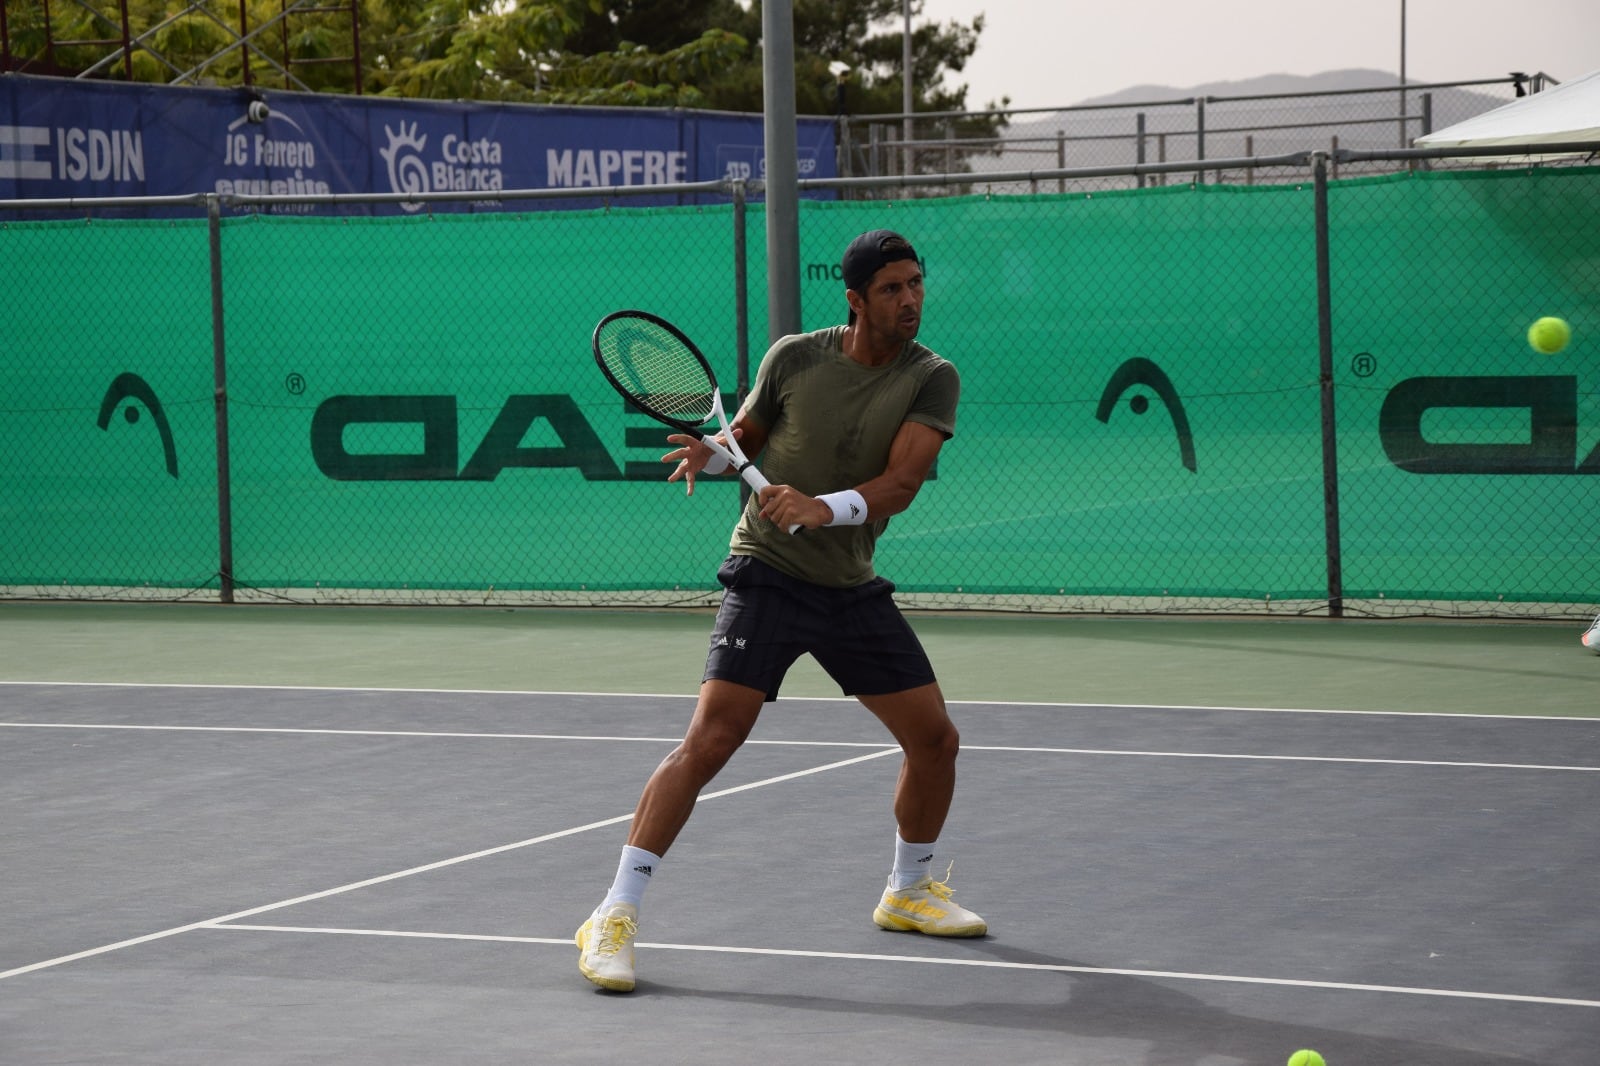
413 413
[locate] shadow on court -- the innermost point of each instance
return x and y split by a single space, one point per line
1091 1018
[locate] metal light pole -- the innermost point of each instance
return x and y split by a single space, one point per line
905 93
1402 73
782 174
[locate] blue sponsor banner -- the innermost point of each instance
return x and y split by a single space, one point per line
66 138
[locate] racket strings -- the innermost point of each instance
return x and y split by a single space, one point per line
660 374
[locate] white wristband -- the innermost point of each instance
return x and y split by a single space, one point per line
848 507
717 464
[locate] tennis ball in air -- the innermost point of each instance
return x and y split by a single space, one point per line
1549 335
1306 1058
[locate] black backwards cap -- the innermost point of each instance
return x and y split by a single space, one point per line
870 253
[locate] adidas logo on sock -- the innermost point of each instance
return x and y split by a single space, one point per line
647 871
925 858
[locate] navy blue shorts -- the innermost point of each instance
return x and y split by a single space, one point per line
769 619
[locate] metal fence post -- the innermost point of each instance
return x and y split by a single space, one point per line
1427 128
1330 437
741 294
219 375
741 313
1139 148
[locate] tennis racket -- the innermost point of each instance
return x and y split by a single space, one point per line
659 371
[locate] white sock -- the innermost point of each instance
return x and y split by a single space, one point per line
634 870
912 862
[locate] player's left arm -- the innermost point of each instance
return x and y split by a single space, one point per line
911 454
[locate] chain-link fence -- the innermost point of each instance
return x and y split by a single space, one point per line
1128 134
1298 396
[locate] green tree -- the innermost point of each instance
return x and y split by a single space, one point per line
866 37
530 52
674 53
202 43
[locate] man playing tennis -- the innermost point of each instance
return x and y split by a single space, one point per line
847 422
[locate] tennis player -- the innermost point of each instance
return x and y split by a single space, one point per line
847 422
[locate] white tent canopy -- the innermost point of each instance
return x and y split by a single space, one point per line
1568 113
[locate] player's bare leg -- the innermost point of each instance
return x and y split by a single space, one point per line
723 718
920 723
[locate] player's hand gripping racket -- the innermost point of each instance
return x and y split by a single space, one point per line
659 370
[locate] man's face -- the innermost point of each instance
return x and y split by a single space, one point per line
892 303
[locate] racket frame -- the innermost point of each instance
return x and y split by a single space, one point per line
730 451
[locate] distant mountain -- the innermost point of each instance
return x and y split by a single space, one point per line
1266 84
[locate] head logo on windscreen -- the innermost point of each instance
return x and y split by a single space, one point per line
408 171
137 392
1139 371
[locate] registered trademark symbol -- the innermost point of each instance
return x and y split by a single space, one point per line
295 383
1364 365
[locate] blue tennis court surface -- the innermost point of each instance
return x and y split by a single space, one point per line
274 875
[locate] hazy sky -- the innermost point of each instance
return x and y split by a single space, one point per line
1045 53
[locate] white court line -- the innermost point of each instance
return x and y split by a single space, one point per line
435 735
441 864
797 699
1282 758
993 964
1129 753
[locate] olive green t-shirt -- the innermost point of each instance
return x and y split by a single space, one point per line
830 421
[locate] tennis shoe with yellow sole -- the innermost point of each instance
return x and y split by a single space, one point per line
926 907
605 946
1591 636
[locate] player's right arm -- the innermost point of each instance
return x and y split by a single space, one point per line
691 455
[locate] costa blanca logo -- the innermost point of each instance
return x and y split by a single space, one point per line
461 165
408 171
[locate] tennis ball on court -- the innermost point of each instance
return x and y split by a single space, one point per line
1306 1057
1549 335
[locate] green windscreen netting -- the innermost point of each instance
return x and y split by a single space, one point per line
413 413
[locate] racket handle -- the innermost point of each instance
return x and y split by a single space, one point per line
758 481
